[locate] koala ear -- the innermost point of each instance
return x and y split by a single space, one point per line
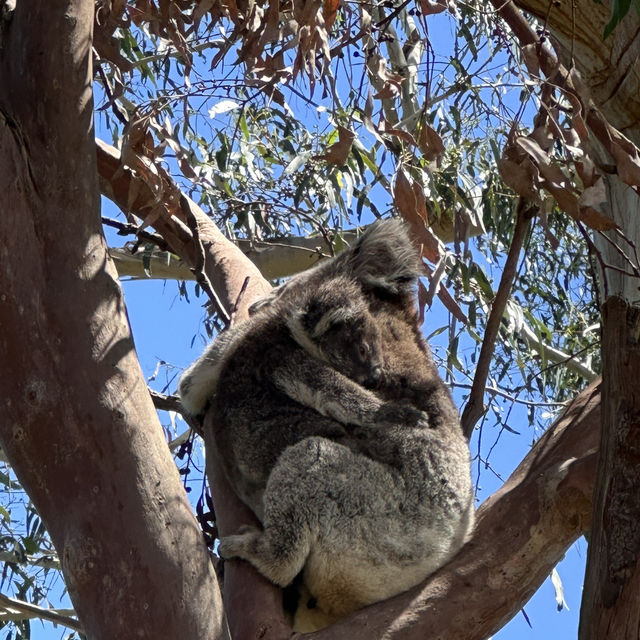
384 258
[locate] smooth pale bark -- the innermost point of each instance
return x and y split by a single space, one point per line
76 419
610 606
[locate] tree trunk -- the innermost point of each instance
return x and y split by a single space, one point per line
76 419
610 604
611 70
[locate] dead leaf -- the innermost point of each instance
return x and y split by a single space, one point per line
423 300
406 200
387 92
431 7
329 12
398 133
430 143
445 297
595 220
522 176
339 151
626 155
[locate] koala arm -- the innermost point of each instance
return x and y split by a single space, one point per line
198 383
318 386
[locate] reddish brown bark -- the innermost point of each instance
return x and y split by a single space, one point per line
611 601
251 602
76 420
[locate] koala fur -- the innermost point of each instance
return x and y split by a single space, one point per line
293 370
366 492
386 265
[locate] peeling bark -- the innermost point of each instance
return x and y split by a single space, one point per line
76 420
611 67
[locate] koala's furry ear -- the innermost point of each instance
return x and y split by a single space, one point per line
384 259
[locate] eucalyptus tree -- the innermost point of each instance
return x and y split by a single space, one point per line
243 141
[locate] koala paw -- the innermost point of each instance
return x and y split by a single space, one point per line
402 414
237 545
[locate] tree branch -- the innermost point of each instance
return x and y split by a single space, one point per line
475 404
12 609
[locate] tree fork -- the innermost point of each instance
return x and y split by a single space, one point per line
611 601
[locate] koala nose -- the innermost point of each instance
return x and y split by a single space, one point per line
375 375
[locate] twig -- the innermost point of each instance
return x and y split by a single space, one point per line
128 228
475 405
44 561
507 396
164 402
25 610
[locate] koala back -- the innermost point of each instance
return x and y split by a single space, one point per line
364 511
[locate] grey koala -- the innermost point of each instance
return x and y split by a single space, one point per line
299 368
365 506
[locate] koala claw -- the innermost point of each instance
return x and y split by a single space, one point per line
400 414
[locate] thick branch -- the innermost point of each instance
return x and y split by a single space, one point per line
12 609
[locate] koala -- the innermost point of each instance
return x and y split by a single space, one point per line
359 474
363 517
300 368
386 265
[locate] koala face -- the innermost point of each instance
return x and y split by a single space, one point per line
335 326
353 347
